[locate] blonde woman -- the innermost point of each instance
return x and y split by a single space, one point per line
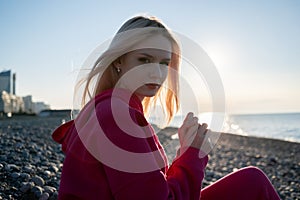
111 150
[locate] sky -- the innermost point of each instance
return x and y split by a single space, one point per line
255 45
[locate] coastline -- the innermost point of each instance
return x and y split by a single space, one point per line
30 161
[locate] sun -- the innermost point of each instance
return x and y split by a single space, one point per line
222 53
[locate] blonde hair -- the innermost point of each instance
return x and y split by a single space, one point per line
132 32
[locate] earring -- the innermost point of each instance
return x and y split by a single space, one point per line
118 69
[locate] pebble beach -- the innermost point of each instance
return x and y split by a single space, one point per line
31 162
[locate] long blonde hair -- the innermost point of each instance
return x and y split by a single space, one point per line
132 32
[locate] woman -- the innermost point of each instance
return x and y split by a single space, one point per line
112 151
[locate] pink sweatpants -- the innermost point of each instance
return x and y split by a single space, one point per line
248 183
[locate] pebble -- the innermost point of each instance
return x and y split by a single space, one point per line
15 175
44 196
25 154
28 168
38 180
12 167
28 159
47 173
53 168
25 176
49 189
37 191
26 186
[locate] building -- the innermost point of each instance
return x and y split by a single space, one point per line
4 102
11 103
5 81
28 104
40 106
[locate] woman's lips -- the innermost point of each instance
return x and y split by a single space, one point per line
153 85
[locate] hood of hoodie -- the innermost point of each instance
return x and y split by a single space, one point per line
63 134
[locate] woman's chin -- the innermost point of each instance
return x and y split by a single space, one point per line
142 95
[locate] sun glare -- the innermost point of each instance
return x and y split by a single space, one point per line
221 53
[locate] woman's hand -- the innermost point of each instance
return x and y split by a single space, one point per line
191 133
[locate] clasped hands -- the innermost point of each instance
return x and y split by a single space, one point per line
191 133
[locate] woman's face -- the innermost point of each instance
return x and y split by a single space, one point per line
145 68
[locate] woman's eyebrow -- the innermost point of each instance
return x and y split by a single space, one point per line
150 56
147 55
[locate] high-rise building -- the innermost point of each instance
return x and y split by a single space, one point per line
5 81
14 84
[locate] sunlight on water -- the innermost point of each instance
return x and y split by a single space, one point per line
278 126
215 121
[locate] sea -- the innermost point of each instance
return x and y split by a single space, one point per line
282 126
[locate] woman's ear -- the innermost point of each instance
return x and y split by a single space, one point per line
117 63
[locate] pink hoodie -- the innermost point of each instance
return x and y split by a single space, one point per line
112 152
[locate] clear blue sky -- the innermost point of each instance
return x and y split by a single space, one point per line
254 44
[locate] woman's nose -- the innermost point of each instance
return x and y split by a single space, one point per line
156 71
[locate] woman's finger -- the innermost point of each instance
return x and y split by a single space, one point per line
190 120
202 129
188 117
204 125
190 135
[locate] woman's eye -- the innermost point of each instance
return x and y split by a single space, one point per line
164 63
144 60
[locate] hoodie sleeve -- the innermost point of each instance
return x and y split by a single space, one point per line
186 173
182 181
60 134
